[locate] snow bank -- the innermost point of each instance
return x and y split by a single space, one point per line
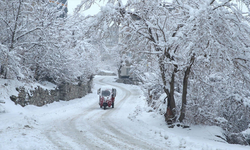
26 128
9 87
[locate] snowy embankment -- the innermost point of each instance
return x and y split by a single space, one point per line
82 124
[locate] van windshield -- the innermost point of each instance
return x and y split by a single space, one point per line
106 93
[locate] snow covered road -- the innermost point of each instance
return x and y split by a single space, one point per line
81 124
95 128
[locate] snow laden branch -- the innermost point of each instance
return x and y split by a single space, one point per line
191 47
39 44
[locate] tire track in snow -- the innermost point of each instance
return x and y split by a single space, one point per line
93 129
82 137
51 135
104 133
129 139
67 133
108 137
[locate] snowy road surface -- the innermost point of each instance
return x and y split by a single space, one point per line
81 124
95 128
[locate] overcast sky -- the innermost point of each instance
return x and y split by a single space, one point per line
73 3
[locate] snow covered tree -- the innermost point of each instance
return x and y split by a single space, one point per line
201 49
24 26
218 35
80 47
39 44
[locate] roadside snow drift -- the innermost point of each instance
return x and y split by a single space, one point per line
81 124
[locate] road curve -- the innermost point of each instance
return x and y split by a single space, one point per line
95 128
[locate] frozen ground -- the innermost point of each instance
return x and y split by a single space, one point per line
81 124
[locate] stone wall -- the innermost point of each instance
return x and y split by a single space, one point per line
40 96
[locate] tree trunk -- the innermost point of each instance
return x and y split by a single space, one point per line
170 116
13 36
119 69
184 91
184 95
3 70
171 99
